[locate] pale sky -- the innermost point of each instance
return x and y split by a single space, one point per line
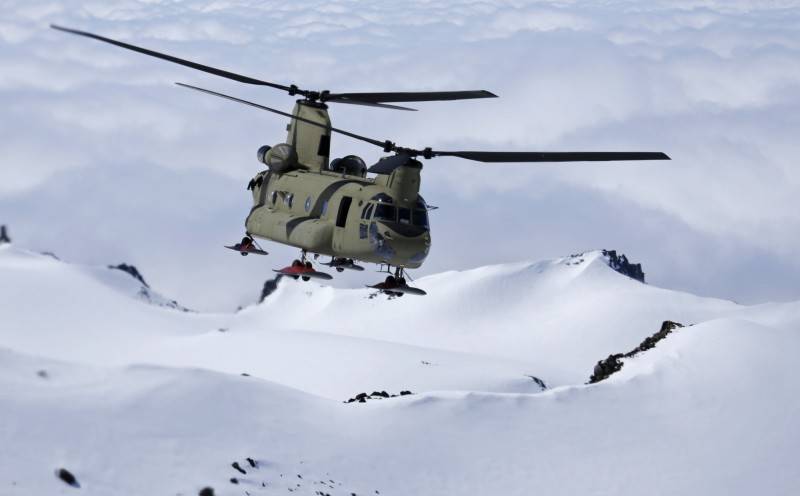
104 160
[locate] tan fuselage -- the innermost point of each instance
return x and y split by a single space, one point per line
378 220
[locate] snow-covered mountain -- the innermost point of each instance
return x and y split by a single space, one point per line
133 395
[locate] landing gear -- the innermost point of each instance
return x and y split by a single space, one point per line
303 269
395 284
247 246
340 264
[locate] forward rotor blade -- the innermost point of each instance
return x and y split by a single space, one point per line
187 63
387 165
552 156
409 96
371 141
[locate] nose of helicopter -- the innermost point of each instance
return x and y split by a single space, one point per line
401 244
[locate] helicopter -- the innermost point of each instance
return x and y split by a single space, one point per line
304 199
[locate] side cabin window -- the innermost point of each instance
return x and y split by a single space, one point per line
385 212
367 213
287 200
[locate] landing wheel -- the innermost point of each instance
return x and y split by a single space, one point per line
297 263
401 281
390 281
243 253
308 265
339 269
306 278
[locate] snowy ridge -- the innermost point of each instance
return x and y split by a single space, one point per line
169 387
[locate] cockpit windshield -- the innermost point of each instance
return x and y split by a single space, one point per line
385 212
419 218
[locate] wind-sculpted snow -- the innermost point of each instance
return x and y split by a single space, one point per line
133 398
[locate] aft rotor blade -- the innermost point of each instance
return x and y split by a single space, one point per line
409 96
372 104
187 63
371 141
552 156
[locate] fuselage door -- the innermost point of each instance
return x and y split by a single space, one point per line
341 222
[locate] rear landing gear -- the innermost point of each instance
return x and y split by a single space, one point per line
302 268
247 246
395 284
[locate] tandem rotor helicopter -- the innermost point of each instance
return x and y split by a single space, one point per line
331 207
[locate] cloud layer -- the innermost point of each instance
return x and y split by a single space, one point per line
100 137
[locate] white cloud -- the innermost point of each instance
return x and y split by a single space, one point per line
714 84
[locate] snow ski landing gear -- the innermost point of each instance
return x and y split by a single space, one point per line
395 285
247 246
343 263
303 269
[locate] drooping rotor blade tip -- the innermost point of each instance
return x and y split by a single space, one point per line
186 63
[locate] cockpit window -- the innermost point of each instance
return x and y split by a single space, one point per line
420 218
385 212
404 215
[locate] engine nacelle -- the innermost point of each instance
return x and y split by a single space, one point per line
351 165
279 158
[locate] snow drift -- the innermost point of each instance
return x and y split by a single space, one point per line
134 397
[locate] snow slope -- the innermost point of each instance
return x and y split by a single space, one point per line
136 398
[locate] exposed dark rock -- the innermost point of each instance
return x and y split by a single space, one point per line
234 480
613 363
376 395
51 255
42 373
4 237
538 382
251 462
605 368
133 271
621 264
66 476
269 287
238 468
206 491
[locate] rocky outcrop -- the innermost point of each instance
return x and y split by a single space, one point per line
269 287
133 271
605 368
376 395
146 293
4 237
621 264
